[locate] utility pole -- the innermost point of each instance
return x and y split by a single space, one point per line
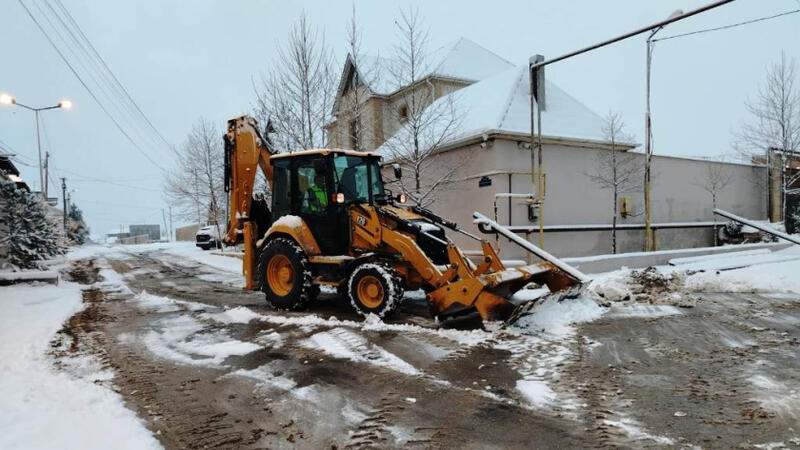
64 200
65 104
46 173
171 230
164 219
648 140
39 147
536 74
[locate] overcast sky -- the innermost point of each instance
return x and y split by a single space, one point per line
180 60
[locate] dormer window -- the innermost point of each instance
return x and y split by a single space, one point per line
402 113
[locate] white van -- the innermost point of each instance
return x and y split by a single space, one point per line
207 238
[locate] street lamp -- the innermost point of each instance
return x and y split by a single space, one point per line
648 151
65 104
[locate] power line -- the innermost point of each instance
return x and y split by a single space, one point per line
103 84
116 80
725 27
74 72
104 78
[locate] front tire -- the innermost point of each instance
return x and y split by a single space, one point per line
285 275
374 289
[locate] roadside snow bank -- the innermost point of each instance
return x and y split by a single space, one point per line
188 250
45 408
774 277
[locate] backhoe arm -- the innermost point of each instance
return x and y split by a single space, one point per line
244 151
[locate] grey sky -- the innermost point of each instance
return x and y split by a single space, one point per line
184 59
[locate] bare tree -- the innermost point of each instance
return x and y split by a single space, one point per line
617 169
425 122
195 187
716 178
298 90
775 125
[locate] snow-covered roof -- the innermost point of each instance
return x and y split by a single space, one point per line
501 103
461 59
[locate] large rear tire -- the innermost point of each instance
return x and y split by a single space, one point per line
374 289
286 275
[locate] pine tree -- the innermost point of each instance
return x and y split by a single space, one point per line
28 236
77 232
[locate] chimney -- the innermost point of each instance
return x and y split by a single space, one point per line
537 81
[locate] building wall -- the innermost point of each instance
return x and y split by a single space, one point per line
380 115
152 231
187 233
572 197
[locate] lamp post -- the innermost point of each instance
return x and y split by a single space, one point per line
66 104
648 139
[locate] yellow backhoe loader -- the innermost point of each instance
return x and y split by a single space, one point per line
332 222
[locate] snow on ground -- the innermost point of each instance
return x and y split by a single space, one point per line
772 277
188 341
777 274
188 250
44 407
345 344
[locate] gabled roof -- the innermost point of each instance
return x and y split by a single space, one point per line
462 60
501 104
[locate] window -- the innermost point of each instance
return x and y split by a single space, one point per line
353 176
402 113
281 204
354 134
312 187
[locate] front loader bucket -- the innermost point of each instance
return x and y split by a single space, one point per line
563 280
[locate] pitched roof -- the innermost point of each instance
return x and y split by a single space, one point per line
501 103
466 60
461 59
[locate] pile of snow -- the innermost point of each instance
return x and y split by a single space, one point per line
554 317
47 408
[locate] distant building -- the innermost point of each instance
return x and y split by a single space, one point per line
153 232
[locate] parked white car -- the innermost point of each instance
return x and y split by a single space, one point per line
207 238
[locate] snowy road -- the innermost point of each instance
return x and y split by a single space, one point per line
206 364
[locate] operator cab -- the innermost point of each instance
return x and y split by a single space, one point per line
319 185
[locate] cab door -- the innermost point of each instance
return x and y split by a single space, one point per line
314 203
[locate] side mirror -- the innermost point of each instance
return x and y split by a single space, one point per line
398 172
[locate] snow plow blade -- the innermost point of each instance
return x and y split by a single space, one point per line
563 280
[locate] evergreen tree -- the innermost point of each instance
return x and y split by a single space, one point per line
27 235
77 232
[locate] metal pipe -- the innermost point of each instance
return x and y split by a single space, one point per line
39 147
757 226
575 273
633 33
606 227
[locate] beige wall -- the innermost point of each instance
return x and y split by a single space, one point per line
186 233
572 197
380 114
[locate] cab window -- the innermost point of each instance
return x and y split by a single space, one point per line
281 204
353 177
312 187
